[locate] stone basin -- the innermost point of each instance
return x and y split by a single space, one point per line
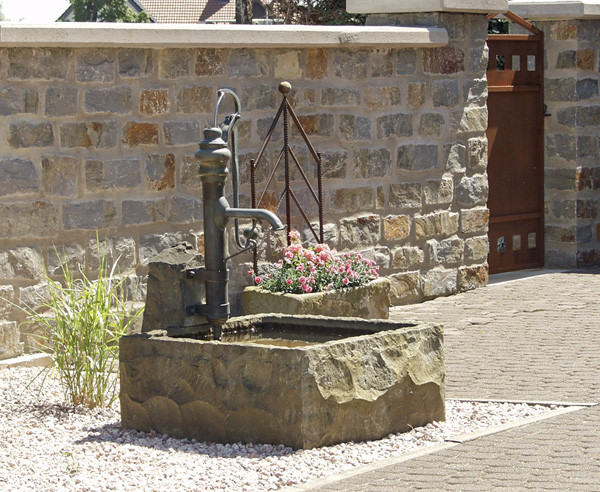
302 381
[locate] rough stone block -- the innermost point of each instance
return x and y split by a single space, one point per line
477 154
154 101
445 93
382 97
334 164
38 63
194 99
112 174
586 89
14 100
587 209
566 59
380 255
397 124
586 178
440 282
174 63
557 234
99 135
371 162
418 157
396 227
184 210
448 251
561 179
589 257
360 231
111 100
287 66
134 62
31 218
444 60
143 211
112 249
320 125
90 215
455 157
209 61
416 95
351 64
182 132
587 147
470 120
160 170
10 346
24 135
354 127
18 176
381 62
61 101
476 92
559 89
472 190
405 287
431 124
304 397
21 263
330 235
474 220
246 63
562 146
407 257
564 209
406 61
7 296
317 62
72 256
261 97
60 175
95 65
563 30
478 59
470 278
476 249
435 224
151 245
585 59
135 133
439 192
340 97
353 199
405 195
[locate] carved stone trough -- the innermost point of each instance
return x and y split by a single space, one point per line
302 381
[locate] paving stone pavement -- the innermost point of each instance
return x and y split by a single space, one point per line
533 339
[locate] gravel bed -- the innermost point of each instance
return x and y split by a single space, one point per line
45 445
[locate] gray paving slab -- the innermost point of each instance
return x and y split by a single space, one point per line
531 338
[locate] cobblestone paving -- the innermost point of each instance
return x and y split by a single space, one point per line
534 339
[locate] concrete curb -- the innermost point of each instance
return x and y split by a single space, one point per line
31 360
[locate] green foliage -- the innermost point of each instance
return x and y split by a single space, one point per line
331 12
106 11
83 321
498 26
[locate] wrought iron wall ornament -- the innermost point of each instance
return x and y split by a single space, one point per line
289 159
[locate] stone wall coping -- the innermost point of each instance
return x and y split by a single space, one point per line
556 9
407 6
216 36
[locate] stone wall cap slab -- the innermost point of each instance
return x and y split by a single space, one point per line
216 36
407 6
555 9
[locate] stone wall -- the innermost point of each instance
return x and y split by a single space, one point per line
572 177
101 140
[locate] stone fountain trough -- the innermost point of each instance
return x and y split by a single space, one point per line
302 381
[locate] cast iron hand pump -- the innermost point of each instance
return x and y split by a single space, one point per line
213 157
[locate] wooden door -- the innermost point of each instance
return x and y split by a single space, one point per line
516 151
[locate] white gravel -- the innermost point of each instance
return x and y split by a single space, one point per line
45 445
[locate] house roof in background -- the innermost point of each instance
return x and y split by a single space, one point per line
189 11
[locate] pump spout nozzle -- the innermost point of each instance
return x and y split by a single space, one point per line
223 212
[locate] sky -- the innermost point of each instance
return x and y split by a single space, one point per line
33 11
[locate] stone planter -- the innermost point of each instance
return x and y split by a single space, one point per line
370 301
302 381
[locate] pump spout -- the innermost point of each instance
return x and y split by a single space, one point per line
223 212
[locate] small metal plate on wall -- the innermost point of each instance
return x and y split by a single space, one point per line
501 244
516 242
531 240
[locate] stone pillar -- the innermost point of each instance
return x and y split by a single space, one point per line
572 177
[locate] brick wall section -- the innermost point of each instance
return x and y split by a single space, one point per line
103 140
572 177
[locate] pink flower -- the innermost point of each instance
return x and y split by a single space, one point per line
345 281
257 280
294 234
302 279
288 254
289 281
307 288
300 267
250 272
